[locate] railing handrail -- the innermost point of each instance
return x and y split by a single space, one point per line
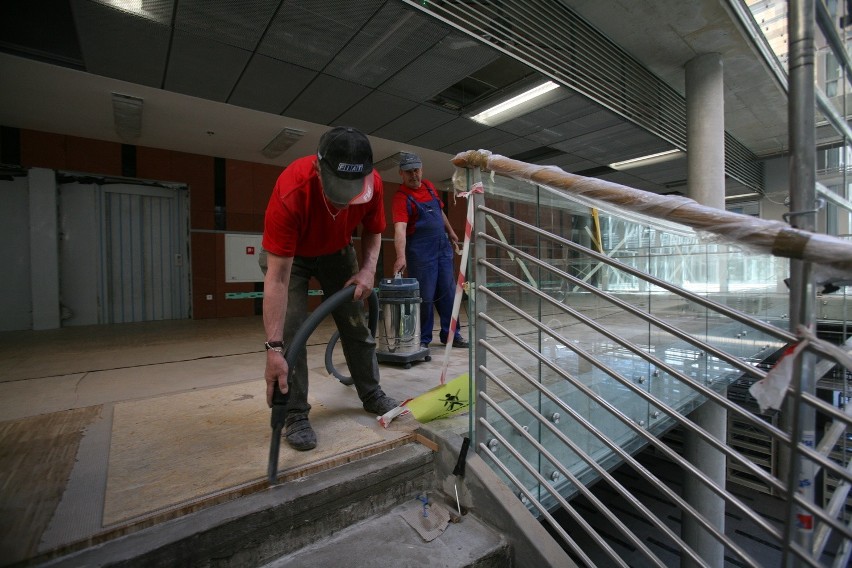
773 237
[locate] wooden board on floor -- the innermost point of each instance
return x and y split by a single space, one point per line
172 450
37 455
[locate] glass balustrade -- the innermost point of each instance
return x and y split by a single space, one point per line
594 351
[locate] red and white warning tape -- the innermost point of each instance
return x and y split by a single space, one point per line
468 229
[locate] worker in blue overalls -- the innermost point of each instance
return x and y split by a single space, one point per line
424 243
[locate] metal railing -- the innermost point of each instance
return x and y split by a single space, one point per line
599 335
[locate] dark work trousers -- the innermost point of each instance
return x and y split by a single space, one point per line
429 259
359 346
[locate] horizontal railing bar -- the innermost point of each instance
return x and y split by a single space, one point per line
828 409
704 302
821 514
672 330
834 507
485 450
812 453
603 473
833 197
710 393
648 397
580 486
641 432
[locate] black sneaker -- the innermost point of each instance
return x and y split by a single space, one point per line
380 404
299 433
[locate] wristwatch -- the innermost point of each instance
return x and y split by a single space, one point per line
275 346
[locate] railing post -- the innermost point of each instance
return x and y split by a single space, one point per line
477 198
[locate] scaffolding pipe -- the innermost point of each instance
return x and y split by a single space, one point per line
802 216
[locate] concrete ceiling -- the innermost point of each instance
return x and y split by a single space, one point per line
223 78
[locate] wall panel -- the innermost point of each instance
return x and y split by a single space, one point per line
43 150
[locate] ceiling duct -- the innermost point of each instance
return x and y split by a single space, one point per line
127 115
282 141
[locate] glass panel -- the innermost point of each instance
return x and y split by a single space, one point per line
592 351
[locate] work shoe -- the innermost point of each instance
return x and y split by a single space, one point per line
461 342
299 433
380 404
424 346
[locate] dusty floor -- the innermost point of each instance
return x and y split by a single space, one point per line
110 428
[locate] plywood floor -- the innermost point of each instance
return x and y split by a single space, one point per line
37 455
138 423
178 449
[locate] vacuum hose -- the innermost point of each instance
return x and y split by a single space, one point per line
294 350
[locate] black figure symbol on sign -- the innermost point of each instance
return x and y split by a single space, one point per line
452 400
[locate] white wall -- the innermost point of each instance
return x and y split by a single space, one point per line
79 259
15 296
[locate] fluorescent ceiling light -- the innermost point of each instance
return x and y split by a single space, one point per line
282 141
145 8
743 196
647 160
485 116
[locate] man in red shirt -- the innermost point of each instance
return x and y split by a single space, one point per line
315 207
423 242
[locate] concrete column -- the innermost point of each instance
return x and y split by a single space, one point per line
44 248
705 128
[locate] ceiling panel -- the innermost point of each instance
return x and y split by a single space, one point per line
270 85
325 99
121 45
667 173
445 64
389 41
571 163
204 68
486 139
513 146
30 32
310 33
376 64
374 111
448 133
411 125
554 134
630 180
569 107
240 24
609 144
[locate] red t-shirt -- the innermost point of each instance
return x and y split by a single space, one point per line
297 222
400 205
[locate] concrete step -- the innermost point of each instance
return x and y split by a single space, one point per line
299 516
391 540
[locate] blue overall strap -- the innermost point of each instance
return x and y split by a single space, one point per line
409 200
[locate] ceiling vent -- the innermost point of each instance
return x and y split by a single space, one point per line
127 115
283 141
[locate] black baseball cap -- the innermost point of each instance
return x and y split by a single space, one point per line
345 158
